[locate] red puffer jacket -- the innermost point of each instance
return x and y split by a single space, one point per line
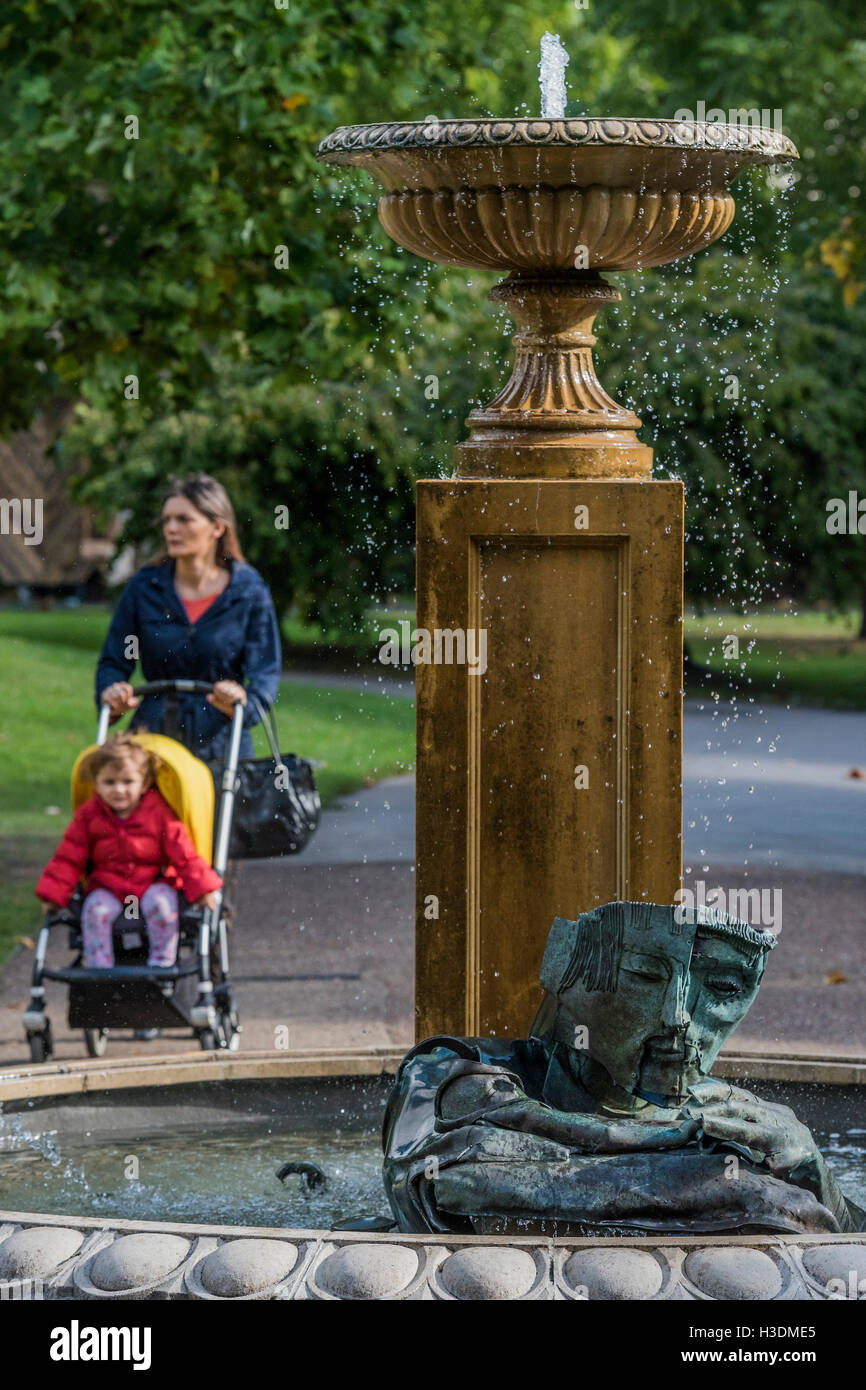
126 856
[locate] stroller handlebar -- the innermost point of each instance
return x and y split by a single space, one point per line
176 687
169 688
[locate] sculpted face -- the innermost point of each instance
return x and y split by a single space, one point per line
672 995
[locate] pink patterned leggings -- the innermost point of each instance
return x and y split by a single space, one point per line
158 908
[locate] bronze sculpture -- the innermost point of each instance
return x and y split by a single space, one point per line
605 1120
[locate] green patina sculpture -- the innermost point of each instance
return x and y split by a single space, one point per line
605 1120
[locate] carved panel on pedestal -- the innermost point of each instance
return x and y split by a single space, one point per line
549 783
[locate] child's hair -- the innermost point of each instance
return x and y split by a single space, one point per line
121 748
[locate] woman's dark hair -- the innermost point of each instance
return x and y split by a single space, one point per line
211 499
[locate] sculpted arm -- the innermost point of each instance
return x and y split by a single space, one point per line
777 1138
496 1099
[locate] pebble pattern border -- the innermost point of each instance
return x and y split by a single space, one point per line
132 1261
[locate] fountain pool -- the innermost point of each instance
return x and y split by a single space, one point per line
210 1154
200 1214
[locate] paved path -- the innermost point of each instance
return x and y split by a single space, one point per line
763 787
768 786
327 951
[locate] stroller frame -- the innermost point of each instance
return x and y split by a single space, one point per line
195 991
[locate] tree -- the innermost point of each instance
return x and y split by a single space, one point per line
179 265
177 262
763 306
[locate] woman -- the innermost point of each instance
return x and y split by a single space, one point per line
200 612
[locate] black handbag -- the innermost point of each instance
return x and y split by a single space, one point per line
276 807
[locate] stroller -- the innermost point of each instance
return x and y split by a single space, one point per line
196 990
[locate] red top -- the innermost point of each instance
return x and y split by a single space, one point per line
126 855
196 606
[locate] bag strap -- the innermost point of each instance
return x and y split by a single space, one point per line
268 722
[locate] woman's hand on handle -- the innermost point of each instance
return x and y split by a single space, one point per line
227 694
119 698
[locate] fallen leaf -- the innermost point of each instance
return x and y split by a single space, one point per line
26 941
835 977
857 772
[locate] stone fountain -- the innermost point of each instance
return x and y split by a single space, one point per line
549 786
553 783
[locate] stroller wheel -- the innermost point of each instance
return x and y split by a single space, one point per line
41 1044
225 1037
96 1041
229 1029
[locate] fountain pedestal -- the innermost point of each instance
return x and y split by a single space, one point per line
554 418
554 778
551 782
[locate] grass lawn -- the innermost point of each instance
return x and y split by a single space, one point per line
810 658
804 659
47 716
307 644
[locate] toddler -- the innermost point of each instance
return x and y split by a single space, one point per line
128 842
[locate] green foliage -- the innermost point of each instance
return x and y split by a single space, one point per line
801 57
754 394
763 305
304 386
156 258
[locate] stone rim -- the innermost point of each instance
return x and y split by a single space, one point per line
759 141
768 1268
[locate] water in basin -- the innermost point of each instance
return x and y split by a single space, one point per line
217 1179
205 1153
208 1154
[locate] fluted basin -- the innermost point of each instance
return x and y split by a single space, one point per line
554 202
523 194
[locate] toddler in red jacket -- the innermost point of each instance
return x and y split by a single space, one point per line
135 852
